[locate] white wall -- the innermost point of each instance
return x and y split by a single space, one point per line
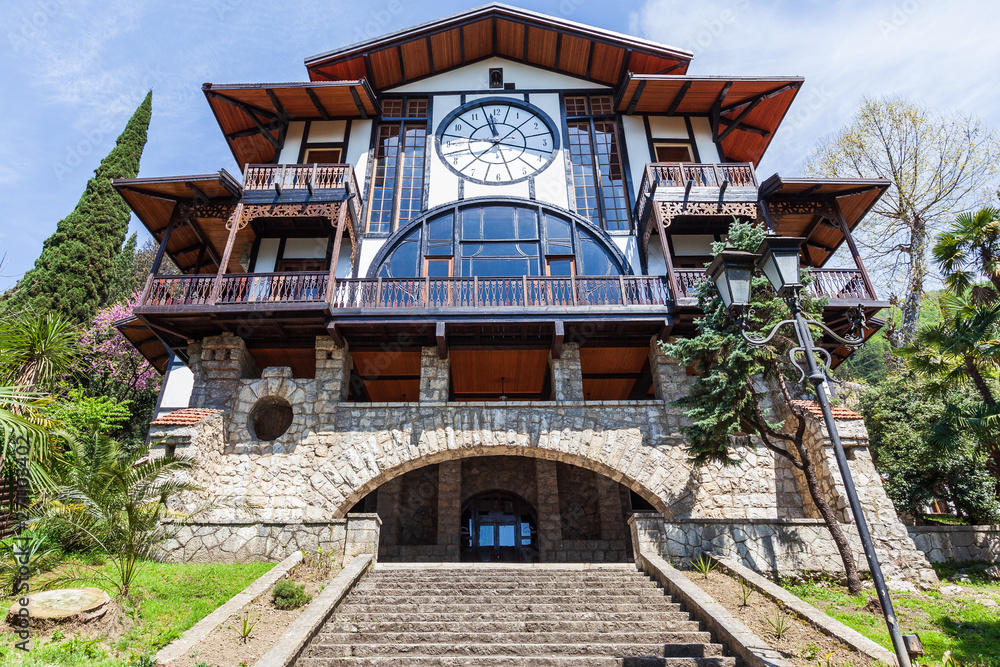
308 248
293 141
656 263
475 77
267 255
326 131
357 151
703 137
175 393
369 248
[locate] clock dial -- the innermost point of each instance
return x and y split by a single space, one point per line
497 141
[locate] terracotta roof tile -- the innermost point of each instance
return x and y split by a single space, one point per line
838 412
183 417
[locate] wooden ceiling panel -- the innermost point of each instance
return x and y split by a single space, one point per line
393 391
607 389
542 47
606 63
478 38
510 39
613 359
416 58
387 363
447 47
478 372
386 67
301 360
574 53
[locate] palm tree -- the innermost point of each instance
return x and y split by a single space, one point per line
37 350
970 249
114 500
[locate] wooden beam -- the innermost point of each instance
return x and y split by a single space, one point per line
558 335
635 98
234 228
335 256
678 98
714 118
442 343
359 104
640 389
854 249
746 127
278 106
334 333
760 98
319 105
737 122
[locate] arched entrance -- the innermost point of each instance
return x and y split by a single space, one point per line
499 527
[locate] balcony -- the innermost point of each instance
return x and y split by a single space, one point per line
304 184
836 285
699 188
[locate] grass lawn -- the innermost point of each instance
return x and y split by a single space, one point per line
171 598
961 624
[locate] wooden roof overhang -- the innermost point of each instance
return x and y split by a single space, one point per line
254 117
744 111
195 205
497 30
813 208
145 341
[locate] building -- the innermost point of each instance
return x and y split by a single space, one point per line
436 290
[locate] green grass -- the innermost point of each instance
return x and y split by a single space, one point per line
961 624
170 598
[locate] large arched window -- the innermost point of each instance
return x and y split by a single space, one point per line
498 238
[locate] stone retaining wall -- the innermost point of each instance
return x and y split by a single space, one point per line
787 547
957 543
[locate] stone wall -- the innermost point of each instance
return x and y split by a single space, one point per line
957 543
243 541
787 547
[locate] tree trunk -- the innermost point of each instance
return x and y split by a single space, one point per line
979 381
839 538
914 281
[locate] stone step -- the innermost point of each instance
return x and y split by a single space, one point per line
364 615
508 649
572 607
458 636
573 587
516 661
485 598
677 622
496 573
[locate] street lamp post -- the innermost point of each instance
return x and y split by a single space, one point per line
778 259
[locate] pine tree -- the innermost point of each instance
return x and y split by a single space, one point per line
77 272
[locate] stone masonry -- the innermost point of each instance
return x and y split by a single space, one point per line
336 452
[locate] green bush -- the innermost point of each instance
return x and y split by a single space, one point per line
288 595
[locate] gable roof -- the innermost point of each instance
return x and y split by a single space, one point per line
497 30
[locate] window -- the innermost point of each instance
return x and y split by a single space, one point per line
673 153
598 175
494 240
397 184
322 156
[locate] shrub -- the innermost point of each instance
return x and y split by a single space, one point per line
289 595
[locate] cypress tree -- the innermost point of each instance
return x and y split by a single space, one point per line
78 270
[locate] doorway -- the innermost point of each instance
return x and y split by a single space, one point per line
499 527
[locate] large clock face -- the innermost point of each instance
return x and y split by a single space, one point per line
497 140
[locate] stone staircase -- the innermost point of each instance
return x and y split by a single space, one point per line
505 614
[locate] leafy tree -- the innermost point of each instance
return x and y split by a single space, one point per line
903 418
77 272
938 164
723 402
970 249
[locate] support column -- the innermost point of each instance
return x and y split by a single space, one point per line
333 370
567 376
670 380
610 503
435 375
450 509
388 511
549 521
362 536
222 362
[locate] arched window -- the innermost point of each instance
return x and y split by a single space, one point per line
498 238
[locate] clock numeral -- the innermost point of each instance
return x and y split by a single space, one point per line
498 177
456 161
545 142
524 171
536 124
458 127
475 116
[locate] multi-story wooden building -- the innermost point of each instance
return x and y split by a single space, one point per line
436 289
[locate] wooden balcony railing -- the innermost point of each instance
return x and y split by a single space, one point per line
526 292
312 178
690 175
830 283
361 293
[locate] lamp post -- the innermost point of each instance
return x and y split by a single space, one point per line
778 259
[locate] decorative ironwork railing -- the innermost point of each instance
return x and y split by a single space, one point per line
527 292
280 178
179 290
273 287
830 283
684 175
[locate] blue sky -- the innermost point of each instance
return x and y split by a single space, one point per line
74 70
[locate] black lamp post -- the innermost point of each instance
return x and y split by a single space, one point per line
778 259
